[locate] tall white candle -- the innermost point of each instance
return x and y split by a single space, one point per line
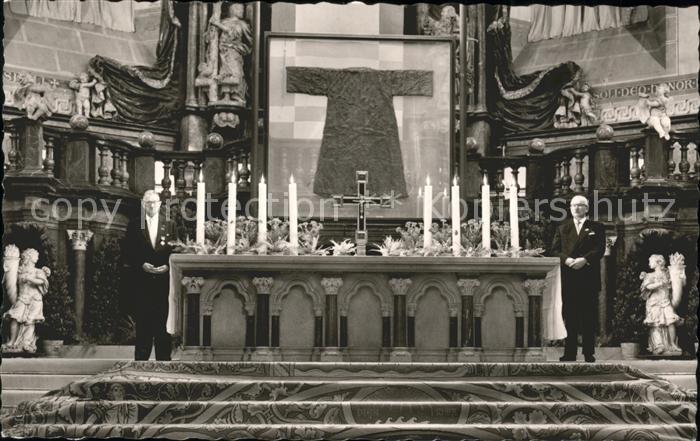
456 218
262 210
231 231
201 210
514 224
293 217
486 214
427 214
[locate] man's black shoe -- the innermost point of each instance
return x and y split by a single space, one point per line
567 358
590 359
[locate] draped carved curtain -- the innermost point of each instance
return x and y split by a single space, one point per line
118 16
567 20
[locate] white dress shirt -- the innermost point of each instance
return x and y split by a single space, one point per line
152 225
578 223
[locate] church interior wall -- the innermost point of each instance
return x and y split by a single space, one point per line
61 49
327 18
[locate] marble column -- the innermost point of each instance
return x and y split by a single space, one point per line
467 288
606 262
193 126
79 242
192 331
331 351
399 288
535 291
263 286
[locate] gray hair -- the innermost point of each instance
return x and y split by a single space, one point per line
149 195
578 199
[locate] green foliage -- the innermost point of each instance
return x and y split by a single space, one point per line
59 308
629 307
104 323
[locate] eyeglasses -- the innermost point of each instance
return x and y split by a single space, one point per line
579 205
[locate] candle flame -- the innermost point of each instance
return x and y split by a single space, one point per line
486 179
454 181
262 179
201 176
291 179
427 180
233 177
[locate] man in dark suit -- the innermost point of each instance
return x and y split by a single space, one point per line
579 243
147 252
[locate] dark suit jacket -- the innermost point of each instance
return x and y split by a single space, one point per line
590 244
143 289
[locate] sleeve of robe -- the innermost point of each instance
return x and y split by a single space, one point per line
309 80
411 82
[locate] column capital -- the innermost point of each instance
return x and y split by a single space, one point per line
79 239
263 285
193 284
400 286
535 287
468 286
331 285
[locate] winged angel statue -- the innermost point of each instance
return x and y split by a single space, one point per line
25 286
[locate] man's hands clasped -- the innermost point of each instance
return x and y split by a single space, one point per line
576 263
149 268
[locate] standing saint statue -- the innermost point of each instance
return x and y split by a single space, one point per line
27 302
235 42
662 291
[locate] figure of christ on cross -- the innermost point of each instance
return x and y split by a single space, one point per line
361 200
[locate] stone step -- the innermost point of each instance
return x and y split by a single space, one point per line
685 381
187 388
352 412
44 382
391 431
11 398
73 366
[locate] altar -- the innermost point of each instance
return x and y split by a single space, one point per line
364 308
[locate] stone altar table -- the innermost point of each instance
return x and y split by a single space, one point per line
364 308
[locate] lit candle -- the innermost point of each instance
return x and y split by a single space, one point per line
262 210
514 227
293 216
456 234
201 194
427 214
231 231
486 214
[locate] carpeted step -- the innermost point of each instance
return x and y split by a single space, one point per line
11 398
351 412
396 431
148 386
37 382
56 365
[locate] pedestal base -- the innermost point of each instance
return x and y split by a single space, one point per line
534 355
469 355
262 354
400 355
331 354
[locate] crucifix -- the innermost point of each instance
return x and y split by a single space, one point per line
361 200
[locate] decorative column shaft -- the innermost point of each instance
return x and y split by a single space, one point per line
79 241
263 286
331 285
399 287
535 289
467 288
193 287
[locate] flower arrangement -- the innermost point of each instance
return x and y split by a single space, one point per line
391 247
500 233
441 244
309 234
471 239
411 238
246 235
277 235
344 248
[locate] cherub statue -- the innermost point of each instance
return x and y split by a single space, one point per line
82 86
652 110
584 105
27 285
662 291
31 97
575 105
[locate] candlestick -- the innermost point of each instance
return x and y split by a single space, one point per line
201 194
486 214
456 218
514 227
427 214
293 216
231 231
262 210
